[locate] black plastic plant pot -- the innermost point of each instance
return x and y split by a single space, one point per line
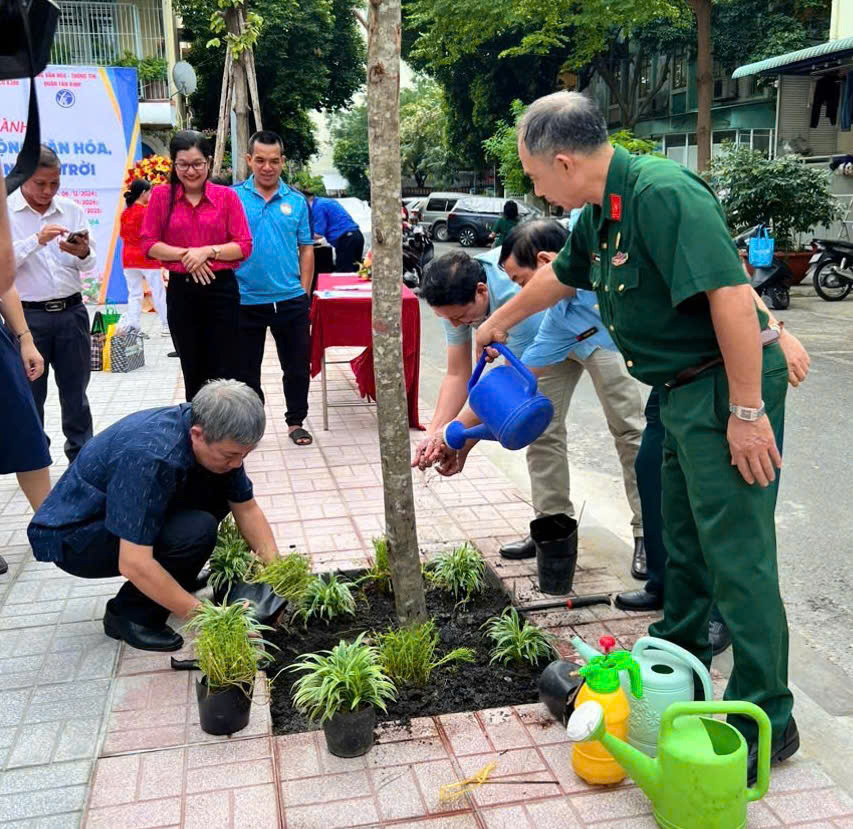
226 711
558 687
265 604
350 733
556 540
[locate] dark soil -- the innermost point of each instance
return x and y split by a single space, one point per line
452 688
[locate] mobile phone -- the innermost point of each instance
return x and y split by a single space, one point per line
77 236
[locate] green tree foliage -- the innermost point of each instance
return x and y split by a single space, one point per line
424 149
350 151
309 56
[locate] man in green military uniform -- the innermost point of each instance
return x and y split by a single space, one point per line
653 243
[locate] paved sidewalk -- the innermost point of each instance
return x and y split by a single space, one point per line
106 736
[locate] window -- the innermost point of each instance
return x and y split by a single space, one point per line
761 141
679 69
718 137
645 84
437 205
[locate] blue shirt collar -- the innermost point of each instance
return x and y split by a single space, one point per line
283 189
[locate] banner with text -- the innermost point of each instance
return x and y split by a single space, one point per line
90 118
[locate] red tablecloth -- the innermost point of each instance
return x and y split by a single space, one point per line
346 321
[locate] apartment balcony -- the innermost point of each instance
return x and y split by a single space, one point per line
103 33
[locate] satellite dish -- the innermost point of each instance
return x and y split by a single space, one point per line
184 77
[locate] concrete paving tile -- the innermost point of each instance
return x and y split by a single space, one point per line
151 813
555 811
29 621
515 761
463 821
25 643
465 734
131 720
817 804
18 680
256 807
117 742
611 804
514 788
759 816
98 662
35 804
161 775
329 764
33 609
231 775
541 726
559 760
397 793
797 774
13 704
70 820
504 728
342 814
36 778
431 777
507 817
235 751
115 781
406 751
420 727
324 789
65 709
35 744
297 755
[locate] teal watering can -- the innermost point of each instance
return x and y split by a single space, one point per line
698 779
512 411
666 671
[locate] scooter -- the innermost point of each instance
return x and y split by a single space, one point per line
418 252
831 268
771 283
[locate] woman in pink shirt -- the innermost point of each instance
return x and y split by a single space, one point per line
199 231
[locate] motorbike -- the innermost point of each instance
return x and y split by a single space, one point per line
418 252
772 283
831 268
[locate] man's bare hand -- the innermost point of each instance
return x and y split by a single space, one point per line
428 451
754 451
80 248
489 333
49 232
452 462
797 357
32 359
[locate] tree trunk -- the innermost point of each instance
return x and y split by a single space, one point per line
240 85
704 82
383 121
224 110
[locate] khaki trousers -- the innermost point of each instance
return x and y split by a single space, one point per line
622 401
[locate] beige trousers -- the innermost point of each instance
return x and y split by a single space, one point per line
622 402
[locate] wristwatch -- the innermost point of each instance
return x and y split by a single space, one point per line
215 251
745 413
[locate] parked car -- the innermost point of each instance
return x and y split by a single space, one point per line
434 214
415 206
472 218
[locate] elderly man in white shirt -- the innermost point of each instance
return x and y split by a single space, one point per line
52 248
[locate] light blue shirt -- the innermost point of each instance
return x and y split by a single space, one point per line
574 215
563 322
501 290
279 226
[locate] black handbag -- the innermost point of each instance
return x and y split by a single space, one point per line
27 28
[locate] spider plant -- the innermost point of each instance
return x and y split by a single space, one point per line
407 654
231 560
461 571
228 643
344 678
326 598
288 577
516 641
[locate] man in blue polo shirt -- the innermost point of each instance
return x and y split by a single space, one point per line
330 220
275 281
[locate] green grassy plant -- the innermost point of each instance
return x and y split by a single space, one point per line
326 598
342 679
516 641
380 572
288 577
461 572
228 643
407 654
231 559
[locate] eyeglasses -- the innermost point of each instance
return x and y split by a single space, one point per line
183 166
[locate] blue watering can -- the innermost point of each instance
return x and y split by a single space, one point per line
506 401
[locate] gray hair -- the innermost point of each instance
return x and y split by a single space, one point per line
563 122
229 410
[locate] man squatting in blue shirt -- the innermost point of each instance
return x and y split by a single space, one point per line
330 221
463 292
275 281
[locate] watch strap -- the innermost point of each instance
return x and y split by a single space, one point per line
747 413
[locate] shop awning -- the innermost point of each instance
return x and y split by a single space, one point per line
803 61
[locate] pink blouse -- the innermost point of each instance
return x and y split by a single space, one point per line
217 219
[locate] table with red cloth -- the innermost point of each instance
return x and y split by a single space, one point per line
346 321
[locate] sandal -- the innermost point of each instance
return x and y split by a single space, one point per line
301 437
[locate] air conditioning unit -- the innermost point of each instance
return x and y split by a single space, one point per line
725 89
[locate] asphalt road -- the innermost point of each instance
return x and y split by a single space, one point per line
814 516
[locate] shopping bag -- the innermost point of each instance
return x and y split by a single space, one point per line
107 343
111 315
761 247
99 325
127 352
96 354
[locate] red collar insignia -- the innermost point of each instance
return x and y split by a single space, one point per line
616 207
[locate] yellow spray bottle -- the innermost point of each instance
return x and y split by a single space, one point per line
591 761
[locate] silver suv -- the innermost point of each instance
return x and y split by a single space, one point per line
434 213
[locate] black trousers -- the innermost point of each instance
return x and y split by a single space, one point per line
288 322
349 250
63 339
183 546
205 324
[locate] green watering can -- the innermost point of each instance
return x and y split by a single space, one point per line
698 780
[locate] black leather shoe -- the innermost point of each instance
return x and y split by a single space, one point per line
718 633
138 636
639 570
519 549
781 749
638 600
3 566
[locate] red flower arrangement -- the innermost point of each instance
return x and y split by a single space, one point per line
155 168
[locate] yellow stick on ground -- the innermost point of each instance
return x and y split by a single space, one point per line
453 791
